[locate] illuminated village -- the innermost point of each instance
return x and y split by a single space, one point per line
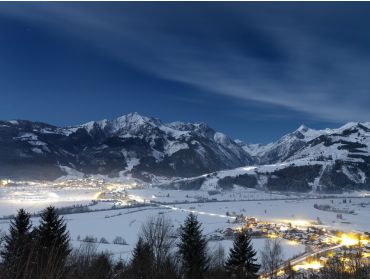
322 244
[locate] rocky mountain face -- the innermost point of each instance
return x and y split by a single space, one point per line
306 160
282 149
329 161
132 144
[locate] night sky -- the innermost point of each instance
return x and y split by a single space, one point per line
252 70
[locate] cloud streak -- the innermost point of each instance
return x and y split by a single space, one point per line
262 53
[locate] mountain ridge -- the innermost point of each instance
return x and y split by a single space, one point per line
146 148
111 146
328 161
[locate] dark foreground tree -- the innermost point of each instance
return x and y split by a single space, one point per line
242 258
120 270
16 250
216 268
101 267
193 248
51 244
349 266
158 233
142 265
271 256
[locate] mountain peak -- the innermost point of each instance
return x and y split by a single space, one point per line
302 128
135 119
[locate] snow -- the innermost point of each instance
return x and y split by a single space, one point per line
47 131
334 152
282 147
274 207
257 149
210 202
131 163
27 136
68 130
127 223
176 133
33 140
222 139
70 174
37 150
289 250
174 147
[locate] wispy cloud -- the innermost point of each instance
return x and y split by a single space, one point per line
285 58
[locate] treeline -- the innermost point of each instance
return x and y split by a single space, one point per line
161 251
39 252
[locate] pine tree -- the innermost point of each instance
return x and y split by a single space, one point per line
141 265
17 244
193 248
241 262
119 270
101 267
52 245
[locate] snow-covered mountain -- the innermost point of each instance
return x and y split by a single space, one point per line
329 160
306 160
282 149
131 144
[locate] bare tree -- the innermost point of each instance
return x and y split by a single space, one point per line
80 259
271 256
334 268
159 234
217 262
119 240
218 256
87 262
290 272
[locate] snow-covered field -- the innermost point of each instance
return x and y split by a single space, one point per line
35 198
296 211
176 196
127 222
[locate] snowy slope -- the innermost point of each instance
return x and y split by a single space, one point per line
132 144
306 160
283 148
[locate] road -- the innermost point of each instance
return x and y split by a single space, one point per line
300 259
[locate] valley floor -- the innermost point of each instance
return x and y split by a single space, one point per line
126 222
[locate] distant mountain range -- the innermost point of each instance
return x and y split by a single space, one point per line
189 155
306 160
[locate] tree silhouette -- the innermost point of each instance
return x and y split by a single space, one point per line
17 244
142 263
193 248
241 262
52 245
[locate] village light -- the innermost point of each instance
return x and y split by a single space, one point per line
347 241
316 265
4 182
272 235
303 223
293 242
351 240
97 195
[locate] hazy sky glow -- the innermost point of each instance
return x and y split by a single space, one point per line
252 70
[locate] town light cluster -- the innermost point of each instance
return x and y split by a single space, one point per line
315 265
